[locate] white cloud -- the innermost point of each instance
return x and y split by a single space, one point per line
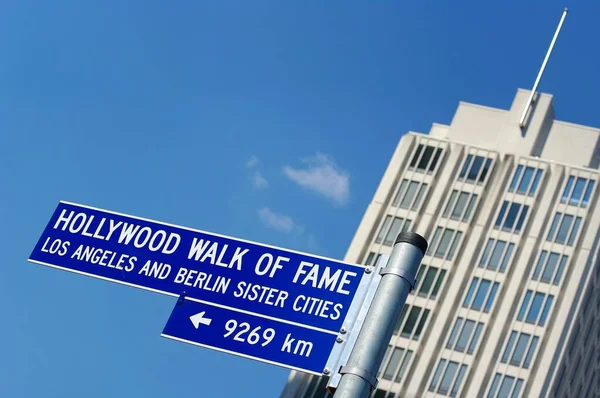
259 181
253 161
323 176
276 221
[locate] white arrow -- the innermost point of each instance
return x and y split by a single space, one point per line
200 319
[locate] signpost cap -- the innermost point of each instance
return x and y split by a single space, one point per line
414 239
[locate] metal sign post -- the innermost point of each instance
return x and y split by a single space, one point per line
398 278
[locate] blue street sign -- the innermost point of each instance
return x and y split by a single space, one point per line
250 336
263 280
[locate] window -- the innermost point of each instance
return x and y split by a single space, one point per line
460 206
496 255
409 194
535 308
444 243
526 180
412 327
477 294
387 234
550 267
508 387
564 229
425 160
475 169
520 349
577 191
465 335
511 216
429 280
372 259
397 364
447 378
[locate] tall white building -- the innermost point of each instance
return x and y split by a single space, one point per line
507 301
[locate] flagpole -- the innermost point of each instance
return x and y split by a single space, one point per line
539 76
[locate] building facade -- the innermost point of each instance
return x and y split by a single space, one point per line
507 300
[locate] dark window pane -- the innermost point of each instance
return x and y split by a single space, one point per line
434 240
437 374
464 336
550 267
540 265
411 321
393 231
588 193
475 338
511 217
522 217
534 310
444 243
474 171
517 389
509 346
530 352
403 367
454 245
421 325
400 193
450 203
553 226
383 229
546 310
424 162
501 214
401 318
393 363
436 158
524 306
574 231
494 387
466 164
454 333
561 269
438 283
486 169
563 230
470 292
458 380
526 180
470 207
428 281
519 351
577 191
481 294
516 178
410 194
507 256
490 300
567 191
419 197
506 386
536 182
369 258
448 377
460 205
415 158
497 255
486 252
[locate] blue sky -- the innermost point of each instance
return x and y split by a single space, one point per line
269 121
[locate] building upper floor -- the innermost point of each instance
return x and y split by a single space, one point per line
542 135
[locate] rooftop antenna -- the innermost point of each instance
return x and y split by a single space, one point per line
539 76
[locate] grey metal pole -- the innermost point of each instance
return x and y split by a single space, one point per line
359 376
541 72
